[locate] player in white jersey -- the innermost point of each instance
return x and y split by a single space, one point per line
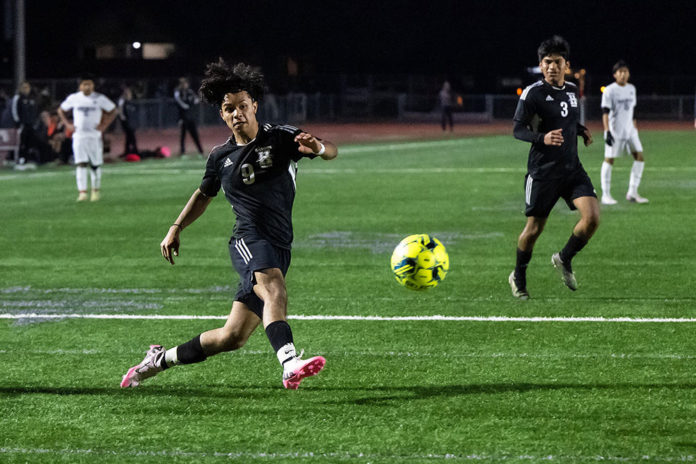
92 113
621 134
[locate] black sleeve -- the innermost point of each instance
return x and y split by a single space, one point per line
605 110
210 185
523 122
292 147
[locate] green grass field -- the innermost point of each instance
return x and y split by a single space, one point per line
393 391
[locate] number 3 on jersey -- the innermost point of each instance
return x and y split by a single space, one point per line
564 109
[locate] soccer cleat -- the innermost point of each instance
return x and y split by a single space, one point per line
608 200
293 376
95 195
146 369
82 196
517 292
565 271
636 198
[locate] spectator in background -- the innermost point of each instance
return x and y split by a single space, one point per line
126 110
25 114
185 100
446 106
58 138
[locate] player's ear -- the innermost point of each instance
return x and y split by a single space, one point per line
255 105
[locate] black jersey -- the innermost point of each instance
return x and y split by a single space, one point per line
543 108
258 180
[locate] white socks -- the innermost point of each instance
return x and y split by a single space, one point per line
286 354
95 177
81 176
633 183
606 179
171 357
636 175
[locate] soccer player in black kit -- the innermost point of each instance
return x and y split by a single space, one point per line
547 115
256 170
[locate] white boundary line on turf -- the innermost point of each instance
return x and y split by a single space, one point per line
423 457
304 317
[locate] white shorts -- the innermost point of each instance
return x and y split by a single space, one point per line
88 150
622 147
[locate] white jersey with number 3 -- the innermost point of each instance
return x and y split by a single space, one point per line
87 112
621 100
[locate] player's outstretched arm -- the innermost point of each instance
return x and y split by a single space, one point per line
310 145
196 206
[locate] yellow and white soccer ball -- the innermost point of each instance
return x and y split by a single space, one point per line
420 262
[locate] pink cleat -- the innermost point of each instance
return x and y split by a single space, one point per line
149 367
301 369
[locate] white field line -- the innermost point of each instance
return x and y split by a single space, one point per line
333 456
303 317
309 170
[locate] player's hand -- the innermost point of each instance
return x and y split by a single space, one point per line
70 127
608 138
101 127
309 144
554 138
587 137
170 245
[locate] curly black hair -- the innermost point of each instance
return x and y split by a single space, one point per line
556 45
222 78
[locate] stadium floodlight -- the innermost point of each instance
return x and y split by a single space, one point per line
137 45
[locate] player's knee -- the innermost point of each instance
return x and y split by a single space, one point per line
233 340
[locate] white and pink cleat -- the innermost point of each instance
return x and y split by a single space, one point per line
300 369
149 367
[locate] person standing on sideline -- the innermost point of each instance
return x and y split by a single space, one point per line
547 117
92 114
621 133
25 114
446 106
185 99
126 111
256 169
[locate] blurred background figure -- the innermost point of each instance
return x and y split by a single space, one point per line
25 114
126 111
185 100
446 106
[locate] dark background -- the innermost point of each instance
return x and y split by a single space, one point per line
481 42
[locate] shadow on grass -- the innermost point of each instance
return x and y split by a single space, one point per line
202 391
385 395
434 391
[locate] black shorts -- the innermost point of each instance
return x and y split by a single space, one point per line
541 195
250 254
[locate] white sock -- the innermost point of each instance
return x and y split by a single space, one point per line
95 177
81 176
171 357
636 175
286 354
606 179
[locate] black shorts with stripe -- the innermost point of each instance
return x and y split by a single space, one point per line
541 195
250 254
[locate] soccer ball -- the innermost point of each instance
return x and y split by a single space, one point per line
420 262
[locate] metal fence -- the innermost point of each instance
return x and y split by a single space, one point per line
300 107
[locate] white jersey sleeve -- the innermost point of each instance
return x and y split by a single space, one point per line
105 104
